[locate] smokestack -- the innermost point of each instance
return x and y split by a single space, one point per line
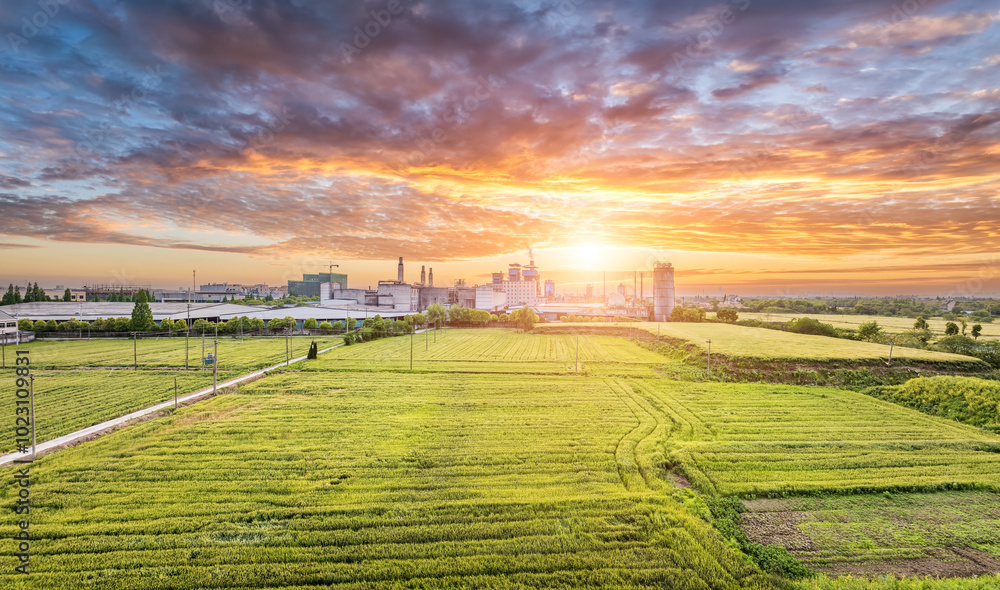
423 275
399 274
430 278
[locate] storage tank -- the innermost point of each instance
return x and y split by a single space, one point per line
663 291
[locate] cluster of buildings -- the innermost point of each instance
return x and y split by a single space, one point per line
520 286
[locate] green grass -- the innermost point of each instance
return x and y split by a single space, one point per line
365 480
496 351
893 325
773 440
158 353
66 401
760 343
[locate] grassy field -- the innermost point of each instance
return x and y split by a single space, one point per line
496 351
158 353
66 401
772 440
365 480
486 467
871 534
892 325
761 343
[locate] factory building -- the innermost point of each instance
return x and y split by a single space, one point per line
550 289
309 285
489 299
663 291
520 286
8 328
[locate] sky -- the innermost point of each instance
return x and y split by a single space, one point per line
763 147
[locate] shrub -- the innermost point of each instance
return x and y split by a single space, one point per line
966 399
24 324
310 324
326 325
727 315
811 326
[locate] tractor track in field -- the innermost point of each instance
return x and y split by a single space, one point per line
627 451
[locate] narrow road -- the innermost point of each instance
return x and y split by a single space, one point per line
91 430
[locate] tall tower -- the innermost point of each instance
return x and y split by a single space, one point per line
423 275
663 291
430 278
399 273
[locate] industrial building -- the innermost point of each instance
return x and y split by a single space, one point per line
57 293
309 285
663 291
520 286
8 328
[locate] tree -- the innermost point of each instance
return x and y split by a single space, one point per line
24 324
313 350
965 325
17 294
870 331
677 314
142 316
337 326
976 331
920 324
351 323
727 315
8 297
310 324
67 295
325 326
436 315
951 329
524 318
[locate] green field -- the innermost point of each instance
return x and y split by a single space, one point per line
158 353
490 465
66 401
496 351
761 343
892 325
756 439
362 480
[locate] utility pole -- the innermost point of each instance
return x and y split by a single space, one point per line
709 357
426 340
175 393
187 337
215 367
577 370
411 351
31 379
135 351
203 348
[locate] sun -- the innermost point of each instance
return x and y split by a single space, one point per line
590 255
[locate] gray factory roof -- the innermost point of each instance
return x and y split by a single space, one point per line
324 313
89 311
5 316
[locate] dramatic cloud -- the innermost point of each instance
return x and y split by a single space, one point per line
454 130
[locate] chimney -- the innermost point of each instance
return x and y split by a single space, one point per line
423 275
400 272
430 278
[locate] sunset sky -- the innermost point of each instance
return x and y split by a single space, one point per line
769 147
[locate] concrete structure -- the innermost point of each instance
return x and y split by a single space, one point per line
309 285
430 278
489 299
8 328
399 271
57 293
466 297
398 296
663 291
550 289
432 295
519 293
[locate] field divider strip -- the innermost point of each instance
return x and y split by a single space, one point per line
84 433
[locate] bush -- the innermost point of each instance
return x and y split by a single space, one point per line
775 559
313 350
326 325
338 325
966 399
727 315
811 326
310 324
24 324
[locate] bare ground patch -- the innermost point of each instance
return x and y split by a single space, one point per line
958 562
